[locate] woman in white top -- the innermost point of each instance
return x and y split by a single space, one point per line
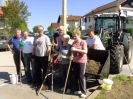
94 42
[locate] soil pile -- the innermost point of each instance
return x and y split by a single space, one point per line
93 67
121 90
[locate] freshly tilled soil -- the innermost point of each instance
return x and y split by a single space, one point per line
93 67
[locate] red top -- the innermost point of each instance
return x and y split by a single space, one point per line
79 57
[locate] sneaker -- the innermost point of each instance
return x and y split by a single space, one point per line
68 90
77 92
62 89
82 96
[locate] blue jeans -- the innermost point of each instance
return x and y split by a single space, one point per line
29 61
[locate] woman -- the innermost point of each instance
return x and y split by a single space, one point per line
79 50
64 54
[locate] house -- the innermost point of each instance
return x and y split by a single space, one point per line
72 21
2 25
1 12
56 25
126 7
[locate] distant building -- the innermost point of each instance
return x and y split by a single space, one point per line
72 21
126 7
2 25
4 2
56 25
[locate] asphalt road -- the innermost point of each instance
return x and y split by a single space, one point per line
7 67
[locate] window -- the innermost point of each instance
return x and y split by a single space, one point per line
132 4
125 13
89 19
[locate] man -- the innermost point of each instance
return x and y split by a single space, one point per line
41 51
94 42
27 50
57 37
16 50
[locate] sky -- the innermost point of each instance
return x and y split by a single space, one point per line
45 12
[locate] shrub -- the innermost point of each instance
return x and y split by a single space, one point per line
69 33
129 30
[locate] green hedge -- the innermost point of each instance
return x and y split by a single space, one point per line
130 30
69 33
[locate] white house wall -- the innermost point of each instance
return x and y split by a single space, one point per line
91 23
71 24
81 23
128 10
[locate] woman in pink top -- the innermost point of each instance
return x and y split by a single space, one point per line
79 49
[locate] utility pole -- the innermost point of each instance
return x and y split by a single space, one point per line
64 14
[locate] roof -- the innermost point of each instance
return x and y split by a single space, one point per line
56 25
107 6
70 18
1 12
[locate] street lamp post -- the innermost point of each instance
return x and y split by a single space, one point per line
64 14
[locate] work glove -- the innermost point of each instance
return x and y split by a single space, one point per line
63 56
74 49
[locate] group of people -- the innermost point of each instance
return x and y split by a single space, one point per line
38 49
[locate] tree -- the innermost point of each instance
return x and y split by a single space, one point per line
15 15
51 28
23 26
34 29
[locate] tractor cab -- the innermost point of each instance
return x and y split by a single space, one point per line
110 26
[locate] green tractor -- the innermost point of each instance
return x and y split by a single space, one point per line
110 28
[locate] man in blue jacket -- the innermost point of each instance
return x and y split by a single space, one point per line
15 40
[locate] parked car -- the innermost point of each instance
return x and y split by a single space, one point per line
50 34
3 42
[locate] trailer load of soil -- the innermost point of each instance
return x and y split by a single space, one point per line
93 67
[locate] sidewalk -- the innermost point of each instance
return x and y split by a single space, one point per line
25 91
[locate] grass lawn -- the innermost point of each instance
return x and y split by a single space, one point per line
121 89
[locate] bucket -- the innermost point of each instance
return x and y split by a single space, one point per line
14 78
107 84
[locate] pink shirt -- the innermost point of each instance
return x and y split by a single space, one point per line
79 57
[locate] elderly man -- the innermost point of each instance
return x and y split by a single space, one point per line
57 37
27 50
15 51
41 51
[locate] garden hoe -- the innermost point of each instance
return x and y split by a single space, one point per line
71 57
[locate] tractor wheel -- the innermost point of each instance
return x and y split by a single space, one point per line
116 59
128 55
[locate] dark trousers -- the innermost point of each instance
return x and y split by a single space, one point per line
17 63
79 74
41 63
64 70
29 61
